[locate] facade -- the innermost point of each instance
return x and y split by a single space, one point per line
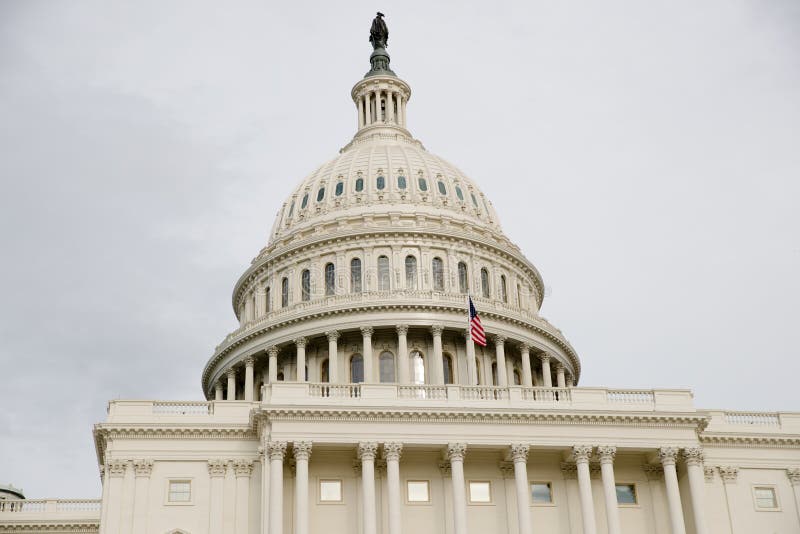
352 399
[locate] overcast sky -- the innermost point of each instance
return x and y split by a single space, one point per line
644 155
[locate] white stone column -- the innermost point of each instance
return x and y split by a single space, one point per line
366 337
500 350
377 98
391 453
561 380
389 106
519 455
607 454
582 454
437 363
248 378
218 391
794 480
668 457
546 376
302 452
404 101
216 471
360 107
333 356
262 301
231 383
455 453
300 346
273 364
366 453
115 476
472 372
243 469
142 470
277 450
697 487
367 110
527 375
402 354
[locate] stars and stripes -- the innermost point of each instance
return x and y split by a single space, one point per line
475 327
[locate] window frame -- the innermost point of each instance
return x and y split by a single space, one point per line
178 480
635 487
471 502
321 194
380 182
463 278
402 183
285 297
359 185
322 501
409 502
771 487
338 189
549 484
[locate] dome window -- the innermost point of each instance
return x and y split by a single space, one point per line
384 283
304 203
459 194
474 200
423 184
320 194
442 188
485 283
355 275
401 182
305 284
291 209
330 279
463 279
411 272
380 183
437 267
359 185
339 189
284 292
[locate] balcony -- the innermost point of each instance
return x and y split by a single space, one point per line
47 512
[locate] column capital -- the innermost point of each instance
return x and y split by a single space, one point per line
519 452
794 475
437 330
467 334
668 455
332 335
301 450
569 470
273 351
456 451
524 348
231 372
499 339
217 467
708 473
367 331
392 450
506 469
606 454
559 367
544 357
653 471
728 473
693 455
117 468
367 450
445 469
249 361
142 468
402 329
243 468
582 453
300 342
276 450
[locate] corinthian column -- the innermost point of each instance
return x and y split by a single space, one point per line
527 375
582 454
248 378
546 376
668 456
607 454
402 353
243 469
391 453
300 345
273 364
302 452
438 363
231 383
366 452
502 372
519 454
276 451
455 453
333 356
366 337
697 486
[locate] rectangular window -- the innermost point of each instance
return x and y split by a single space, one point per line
180 491
542 492
418 491
626 494
330 491
766 498
480 492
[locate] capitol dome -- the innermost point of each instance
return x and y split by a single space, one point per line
368 267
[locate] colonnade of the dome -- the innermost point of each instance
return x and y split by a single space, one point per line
381 100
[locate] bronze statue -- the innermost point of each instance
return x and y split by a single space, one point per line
378 33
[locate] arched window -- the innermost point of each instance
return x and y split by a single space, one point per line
494 373
463 281
284 292
478 373
269 300
517 378
447 362
401 182
474 200
423 184
503 293
320 194
339 189
305 284
355 275
384 279
324 371
291 209
485 283
356 369
359 185
380 183
411 272
437 266
386 363
442 188
304 203
417 367
459 194
330 279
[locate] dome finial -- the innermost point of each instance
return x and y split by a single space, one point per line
379 37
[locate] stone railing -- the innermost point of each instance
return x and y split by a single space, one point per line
422 391
183 408
630 396
752 418
47 507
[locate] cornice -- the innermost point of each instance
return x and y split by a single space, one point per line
79 526
754 441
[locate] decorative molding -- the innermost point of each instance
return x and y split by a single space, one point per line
276 450
499 339
249 361
332 335
445 468
728 473
217 467
300 342
668 455
606 454
456 452
437 329
142 468
581 453
392 451
302 450
693 455
273 351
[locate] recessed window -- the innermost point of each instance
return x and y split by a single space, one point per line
355 275
320 194
291 209
339 189
304 203
386 364
474 200
542 493
330 491
401 182
359 185
418 491
459 193
330 279
442 188
766 498
437 267
626 494
380 183
383 273
411 272
480 492
423 184
180 491
305 284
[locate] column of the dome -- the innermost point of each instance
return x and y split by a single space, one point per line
546 376
437 365
231 384
248 378
525 354
360 108
300 345
218 391
607 454
560 378
502 372
389 106
519 455
366 336
402 353
366 453
403 101
377 97
367 109
333 356
391 453
472 372
455 453
273 364
277 449
581 454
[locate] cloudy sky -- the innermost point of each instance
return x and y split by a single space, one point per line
644 155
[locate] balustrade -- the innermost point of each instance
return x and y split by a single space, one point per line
630 396
752 418
183 408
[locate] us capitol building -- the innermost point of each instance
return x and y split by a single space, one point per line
353 399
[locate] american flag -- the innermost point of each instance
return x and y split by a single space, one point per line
475 326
